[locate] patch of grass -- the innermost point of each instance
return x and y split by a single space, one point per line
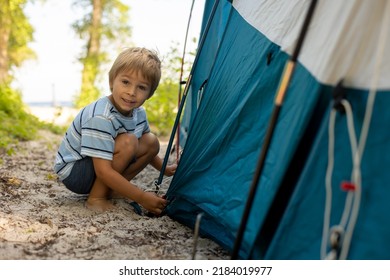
16 123
51 177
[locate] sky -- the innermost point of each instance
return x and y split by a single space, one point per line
56 73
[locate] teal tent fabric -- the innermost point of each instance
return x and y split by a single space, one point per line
205 59
218 161
300 231
242 61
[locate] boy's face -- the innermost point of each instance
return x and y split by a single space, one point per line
129 90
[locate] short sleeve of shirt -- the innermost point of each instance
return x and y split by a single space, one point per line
142 123
98 138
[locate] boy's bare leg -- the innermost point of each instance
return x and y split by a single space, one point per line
148 148
97 199
126 146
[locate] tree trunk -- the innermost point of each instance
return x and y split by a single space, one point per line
5 31
89 92
94 41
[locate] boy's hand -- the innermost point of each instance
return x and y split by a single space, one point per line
152 203
170 169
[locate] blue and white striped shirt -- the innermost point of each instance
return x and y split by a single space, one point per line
93 132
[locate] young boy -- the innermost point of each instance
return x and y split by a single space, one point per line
109 142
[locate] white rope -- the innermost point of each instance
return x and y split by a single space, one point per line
352 205
356 174
328 184
351 209
348 206
374 81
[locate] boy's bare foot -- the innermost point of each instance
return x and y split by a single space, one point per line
99 204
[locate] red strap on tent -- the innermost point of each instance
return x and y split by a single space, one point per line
347 186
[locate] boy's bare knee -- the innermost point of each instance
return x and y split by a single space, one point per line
126 142
151 143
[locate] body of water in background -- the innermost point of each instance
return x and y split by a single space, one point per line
59 113
51 104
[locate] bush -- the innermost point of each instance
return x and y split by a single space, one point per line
161 109
16 123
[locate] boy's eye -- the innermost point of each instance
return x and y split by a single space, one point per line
143 88
126 82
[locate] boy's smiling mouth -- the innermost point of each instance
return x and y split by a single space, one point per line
131 102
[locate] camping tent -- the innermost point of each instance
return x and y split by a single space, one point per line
299 208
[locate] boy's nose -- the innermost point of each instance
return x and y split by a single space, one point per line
131 91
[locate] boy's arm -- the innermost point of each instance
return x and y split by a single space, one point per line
157 163
117 182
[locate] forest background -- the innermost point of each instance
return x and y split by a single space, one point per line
40 218
104 28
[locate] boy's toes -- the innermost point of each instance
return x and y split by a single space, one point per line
99 204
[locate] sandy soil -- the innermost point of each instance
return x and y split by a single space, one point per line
41 219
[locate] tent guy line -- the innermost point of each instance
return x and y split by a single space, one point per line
340 235
183 99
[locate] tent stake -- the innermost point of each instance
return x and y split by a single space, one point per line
281 93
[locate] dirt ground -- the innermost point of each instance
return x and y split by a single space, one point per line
41 219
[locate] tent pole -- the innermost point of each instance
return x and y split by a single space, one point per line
182 102
181 80
281 93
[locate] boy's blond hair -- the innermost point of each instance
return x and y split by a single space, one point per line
139 59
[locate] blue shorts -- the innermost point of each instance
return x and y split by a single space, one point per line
82 176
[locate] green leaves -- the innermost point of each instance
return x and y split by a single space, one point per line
104 24
16 123
15 34
162 107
